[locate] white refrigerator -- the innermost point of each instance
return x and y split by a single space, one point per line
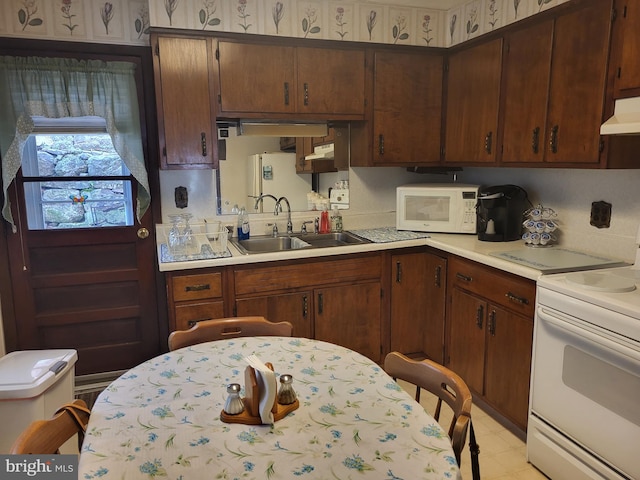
275 174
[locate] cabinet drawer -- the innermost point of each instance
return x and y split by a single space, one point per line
188 314
504 289
196 287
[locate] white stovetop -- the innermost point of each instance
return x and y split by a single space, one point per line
556 259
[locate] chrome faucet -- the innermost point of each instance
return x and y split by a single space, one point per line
261 197
279 208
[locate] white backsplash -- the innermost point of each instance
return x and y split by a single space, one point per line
569 192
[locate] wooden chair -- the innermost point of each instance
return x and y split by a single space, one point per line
443 383
221 328
47 436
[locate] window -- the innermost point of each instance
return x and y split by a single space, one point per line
73 177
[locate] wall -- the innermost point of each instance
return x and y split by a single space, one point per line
128 21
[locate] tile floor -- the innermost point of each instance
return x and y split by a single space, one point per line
502 454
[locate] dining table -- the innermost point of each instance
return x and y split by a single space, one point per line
162 419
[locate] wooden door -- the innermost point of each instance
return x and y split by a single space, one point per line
256 78
330 81
466 344
186 114
94 290
296 308
577 88
508 363
407 108
349 315
526 86
435 297
626 49
472 104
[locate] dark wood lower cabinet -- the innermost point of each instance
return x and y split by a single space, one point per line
296 308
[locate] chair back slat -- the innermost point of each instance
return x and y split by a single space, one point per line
232 327
47 436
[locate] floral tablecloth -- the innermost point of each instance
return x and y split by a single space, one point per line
161 420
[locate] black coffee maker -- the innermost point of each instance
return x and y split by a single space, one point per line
500 211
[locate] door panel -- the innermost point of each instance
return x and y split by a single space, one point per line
91 290
295 308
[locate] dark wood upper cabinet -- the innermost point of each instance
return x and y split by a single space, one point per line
577 84
184 101
272 81
527 66
407 114
626 49
472 104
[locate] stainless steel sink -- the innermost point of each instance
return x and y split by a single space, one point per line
340 239
268 244
284 243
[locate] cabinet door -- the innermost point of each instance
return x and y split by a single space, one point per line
526 85
186 115
472 104
289 307
349 315
435 296
409 307
577 88
407 108
627 49
467 338
256 78
330 81
508 363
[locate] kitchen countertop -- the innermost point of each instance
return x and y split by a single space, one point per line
467 246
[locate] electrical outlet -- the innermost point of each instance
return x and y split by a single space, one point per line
600 214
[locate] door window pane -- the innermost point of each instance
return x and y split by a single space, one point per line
75 180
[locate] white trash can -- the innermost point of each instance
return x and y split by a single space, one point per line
33 385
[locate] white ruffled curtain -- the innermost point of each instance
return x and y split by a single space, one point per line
63 87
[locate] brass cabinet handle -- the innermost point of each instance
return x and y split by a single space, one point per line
286 93
203 143
381 144
306 94
197 288
438 276
553 142
464 278
517 299
320 303
535 139
479 316
305 306
492 323
398 272
488 140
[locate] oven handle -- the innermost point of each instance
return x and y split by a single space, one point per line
565 323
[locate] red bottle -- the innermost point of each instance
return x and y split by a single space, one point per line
325 226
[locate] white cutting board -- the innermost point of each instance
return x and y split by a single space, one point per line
555 259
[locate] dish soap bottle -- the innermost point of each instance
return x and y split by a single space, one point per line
325 227
336 220
243 224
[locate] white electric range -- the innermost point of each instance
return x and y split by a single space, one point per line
584 420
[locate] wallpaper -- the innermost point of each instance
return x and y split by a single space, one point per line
128 21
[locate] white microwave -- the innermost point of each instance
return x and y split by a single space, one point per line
437 207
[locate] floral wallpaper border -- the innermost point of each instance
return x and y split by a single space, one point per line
128 21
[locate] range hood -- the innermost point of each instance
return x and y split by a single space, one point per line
283 129
625 120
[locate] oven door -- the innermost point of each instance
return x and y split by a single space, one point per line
586 384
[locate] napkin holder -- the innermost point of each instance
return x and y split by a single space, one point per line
251 413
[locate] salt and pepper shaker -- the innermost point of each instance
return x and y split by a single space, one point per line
234 404
286 395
